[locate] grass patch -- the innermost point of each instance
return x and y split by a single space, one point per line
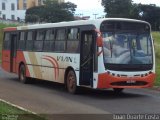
8 111
156 37
6 25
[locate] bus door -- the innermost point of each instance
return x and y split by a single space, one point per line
13 52
86 54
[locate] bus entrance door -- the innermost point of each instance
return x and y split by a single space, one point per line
13 52
86 69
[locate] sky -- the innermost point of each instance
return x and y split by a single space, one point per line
92 7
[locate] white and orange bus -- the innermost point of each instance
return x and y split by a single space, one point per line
105 53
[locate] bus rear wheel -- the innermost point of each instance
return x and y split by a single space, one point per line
71 82
118 90
22 74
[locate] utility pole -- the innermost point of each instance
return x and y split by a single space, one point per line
95 15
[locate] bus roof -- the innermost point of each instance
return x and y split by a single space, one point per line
96 23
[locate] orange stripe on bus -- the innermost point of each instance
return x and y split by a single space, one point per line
9 29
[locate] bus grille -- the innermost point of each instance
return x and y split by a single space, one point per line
124 83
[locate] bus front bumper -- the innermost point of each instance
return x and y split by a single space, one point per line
106 80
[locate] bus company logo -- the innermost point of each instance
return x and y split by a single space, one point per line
66 59
55 64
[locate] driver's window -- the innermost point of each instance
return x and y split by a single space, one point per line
144 42
108 40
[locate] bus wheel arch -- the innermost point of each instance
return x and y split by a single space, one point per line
22 73
70 80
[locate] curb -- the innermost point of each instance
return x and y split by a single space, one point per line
19 107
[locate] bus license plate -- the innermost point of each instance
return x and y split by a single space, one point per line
131 81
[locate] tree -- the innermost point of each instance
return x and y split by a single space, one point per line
53 11
151 14
127 9
117 8
32 18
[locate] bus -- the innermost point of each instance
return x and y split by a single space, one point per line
105 53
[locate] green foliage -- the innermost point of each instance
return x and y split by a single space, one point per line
151 14
117 8
156 37
6 25
127 9
52 11
32 18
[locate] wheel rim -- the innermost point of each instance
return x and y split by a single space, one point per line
71 82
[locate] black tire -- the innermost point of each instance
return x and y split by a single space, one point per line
118 90
71 82
22 74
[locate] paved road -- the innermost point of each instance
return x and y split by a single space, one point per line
51 98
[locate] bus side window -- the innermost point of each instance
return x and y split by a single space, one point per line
38 43
6 44
49 40
29 41
21 45
73 40
60 41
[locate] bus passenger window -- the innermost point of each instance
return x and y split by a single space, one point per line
22 41
49 41
29 42
73 34
49 35
40 35
7 35
22 36
38 43
30 35
6 44
60 41
73 40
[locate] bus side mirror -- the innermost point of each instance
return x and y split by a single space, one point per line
99 39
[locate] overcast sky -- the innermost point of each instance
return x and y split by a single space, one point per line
90 7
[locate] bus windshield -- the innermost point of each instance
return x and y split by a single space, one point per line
127 48
127 45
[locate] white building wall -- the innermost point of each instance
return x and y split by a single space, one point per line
8 12
21 14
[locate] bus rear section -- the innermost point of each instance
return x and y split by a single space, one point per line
128 55
9 49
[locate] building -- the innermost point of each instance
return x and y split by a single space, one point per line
15 9
25 4
8 9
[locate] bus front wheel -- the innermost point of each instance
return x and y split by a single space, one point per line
22 74
71 82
